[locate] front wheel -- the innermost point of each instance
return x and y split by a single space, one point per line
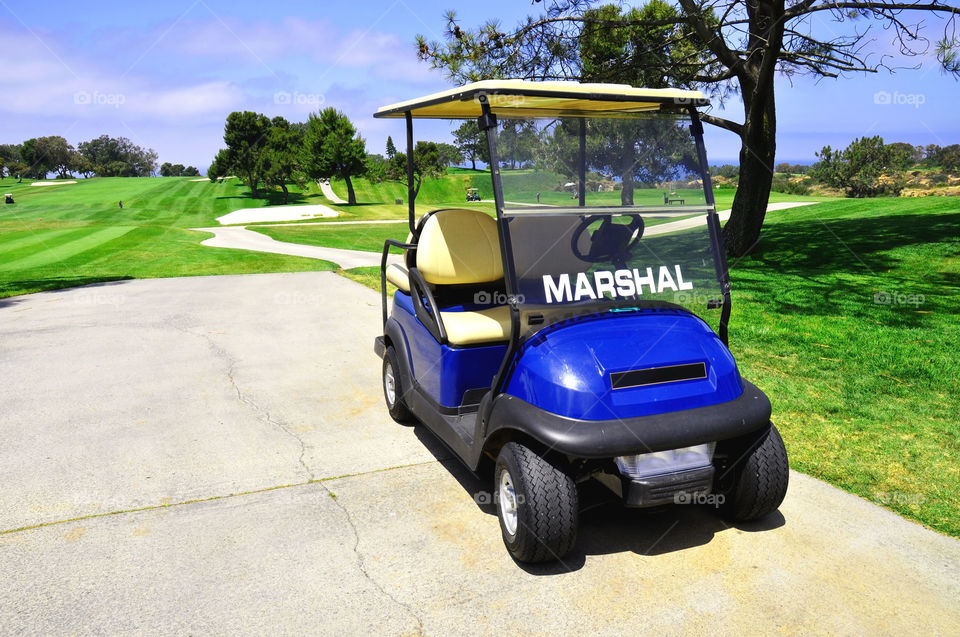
536 505
393 387
760 480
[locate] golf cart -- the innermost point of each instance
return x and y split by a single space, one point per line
548 345
473 194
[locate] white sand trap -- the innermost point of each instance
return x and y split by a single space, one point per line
277 213
218 179
52 183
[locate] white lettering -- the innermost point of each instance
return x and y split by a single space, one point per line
560 290
666 281
611 285
603 282
624 280
640 281
683 284
583 287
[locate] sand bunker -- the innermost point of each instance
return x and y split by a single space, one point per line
52 183
276 213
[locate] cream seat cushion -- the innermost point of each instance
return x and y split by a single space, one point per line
459 246
472 328
399 276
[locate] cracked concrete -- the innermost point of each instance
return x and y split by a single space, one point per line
243 417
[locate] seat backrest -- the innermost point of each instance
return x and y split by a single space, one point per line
459 246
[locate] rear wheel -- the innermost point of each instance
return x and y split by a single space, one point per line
760 480
393 387
536 505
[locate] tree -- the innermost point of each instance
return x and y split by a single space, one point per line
332 148
83 166
190 171
449 154
219 167
280 159
950 157
245 135
427 163
471 143
865 168
725 47
166 169
118 157
10 155
391 149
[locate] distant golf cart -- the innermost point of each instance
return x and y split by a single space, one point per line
551 345
473 194
8 197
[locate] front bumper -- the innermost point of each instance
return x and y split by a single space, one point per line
672 488
743 415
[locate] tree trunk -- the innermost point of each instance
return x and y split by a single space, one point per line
757 152
252 183
286 193
758 136
351 195
626 173
473 162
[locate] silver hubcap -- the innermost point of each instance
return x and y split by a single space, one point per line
508 503
389 384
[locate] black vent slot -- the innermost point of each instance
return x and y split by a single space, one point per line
657 375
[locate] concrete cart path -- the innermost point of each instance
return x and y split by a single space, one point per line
724 215
241 238
328 192
211 455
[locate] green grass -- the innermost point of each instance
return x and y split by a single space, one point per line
369 237
62 236
864 393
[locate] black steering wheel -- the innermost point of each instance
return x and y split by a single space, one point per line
611 241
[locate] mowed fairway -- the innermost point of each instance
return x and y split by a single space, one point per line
67 235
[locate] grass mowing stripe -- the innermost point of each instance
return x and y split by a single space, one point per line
34 237
68 249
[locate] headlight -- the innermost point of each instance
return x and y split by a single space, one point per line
653 464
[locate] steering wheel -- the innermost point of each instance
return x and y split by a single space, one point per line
611 241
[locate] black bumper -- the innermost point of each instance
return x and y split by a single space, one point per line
379 347
673 488
748 413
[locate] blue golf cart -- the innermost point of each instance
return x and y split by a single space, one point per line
549 339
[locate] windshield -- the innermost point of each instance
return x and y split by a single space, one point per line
638 240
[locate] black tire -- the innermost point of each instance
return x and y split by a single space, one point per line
544 525
393 395
760 480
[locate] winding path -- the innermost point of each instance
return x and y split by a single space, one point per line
240 238
328 192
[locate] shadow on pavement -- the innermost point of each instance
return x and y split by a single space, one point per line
606 526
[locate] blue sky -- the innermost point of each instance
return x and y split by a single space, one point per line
166 74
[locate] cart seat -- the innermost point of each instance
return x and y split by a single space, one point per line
398 275
460 248
473 328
